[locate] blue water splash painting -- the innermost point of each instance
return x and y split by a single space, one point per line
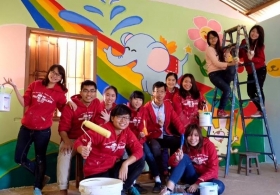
129 21
78 19
93 9
116 10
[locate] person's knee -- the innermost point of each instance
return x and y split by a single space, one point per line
187 159
155 147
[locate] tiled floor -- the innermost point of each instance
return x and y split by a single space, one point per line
267 183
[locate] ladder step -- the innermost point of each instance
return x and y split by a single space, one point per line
254 117
217 117
265 153
233 29
219 136
245 82
248 100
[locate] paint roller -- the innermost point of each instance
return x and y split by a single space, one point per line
94 127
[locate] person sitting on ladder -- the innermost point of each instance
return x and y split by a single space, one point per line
220 73
256 55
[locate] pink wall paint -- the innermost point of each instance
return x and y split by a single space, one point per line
12 53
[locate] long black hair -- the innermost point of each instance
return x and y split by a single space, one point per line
217 47
61 71
194 92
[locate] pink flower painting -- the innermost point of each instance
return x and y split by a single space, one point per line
203 26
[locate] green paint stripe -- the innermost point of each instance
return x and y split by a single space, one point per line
110 76
47 16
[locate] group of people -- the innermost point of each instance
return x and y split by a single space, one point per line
148 132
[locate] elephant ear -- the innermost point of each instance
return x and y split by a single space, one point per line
125 37
158 59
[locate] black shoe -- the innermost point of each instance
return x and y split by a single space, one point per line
140 189
157 188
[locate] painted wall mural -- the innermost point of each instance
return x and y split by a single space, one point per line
135 51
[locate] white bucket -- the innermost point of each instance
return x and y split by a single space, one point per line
101 186
205 118
5 100
208 188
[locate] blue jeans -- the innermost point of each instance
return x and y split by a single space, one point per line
187 173
221 79
41 139
151 161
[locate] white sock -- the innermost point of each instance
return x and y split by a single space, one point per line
157 179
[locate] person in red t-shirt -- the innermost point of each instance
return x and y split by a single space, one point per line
70 129
104 157
256 55
110 94
41 99
196 162
171 89
188 100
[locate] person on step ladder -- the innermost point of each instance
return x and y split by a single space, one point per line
256 55
220 72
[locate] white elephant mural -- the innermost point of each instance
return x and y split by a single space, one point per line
153 60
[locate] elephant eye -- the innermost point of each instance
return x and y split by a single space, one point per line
127 48
133 50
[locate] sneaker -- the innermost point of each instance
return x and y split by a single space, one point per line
37 191
45 181
132 191
140 189
164 191
222 113
257 114
157 187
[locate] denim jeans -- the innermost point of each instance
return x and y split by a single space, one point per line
134 170
156 145
187 173
149 158
41 139
251 87
221 79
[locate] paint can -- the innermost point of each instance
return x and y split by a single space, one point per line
101 186
208 188
205 118
5 100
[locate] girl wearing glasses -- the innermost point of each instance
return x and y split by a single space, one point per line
41 99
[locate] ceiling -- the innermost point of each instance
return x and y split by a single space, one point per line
258 10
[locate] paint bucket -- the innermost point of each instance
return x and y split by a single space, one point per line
208 188
101 186
205 118
5 100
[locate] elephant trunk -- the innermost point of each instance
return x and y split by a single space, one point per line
118 60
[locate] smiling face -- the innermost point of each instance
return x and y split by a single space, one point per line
212 40
136 103
54 76
193 138
88 93
120 122
159 94
171 82
187 83
109 97
254 34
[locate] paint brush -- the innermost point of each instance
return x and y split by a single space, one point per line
182 141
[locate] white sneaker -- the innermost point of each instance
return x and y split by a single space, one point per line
257 114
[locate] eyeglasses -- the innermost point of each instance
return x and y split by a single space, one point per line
88 91
125 118
55 74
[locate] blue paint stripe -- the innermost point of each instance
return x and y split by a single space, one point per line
37 16
101 84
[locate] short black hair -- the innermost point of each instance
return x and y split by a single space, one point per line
120 109
88 83
159 84
137 94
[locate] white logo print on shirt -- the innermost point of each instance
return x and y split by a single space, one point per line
42 97
114 146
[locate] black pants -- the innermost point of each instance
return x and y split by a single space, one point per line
134 170
251 87
156 145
